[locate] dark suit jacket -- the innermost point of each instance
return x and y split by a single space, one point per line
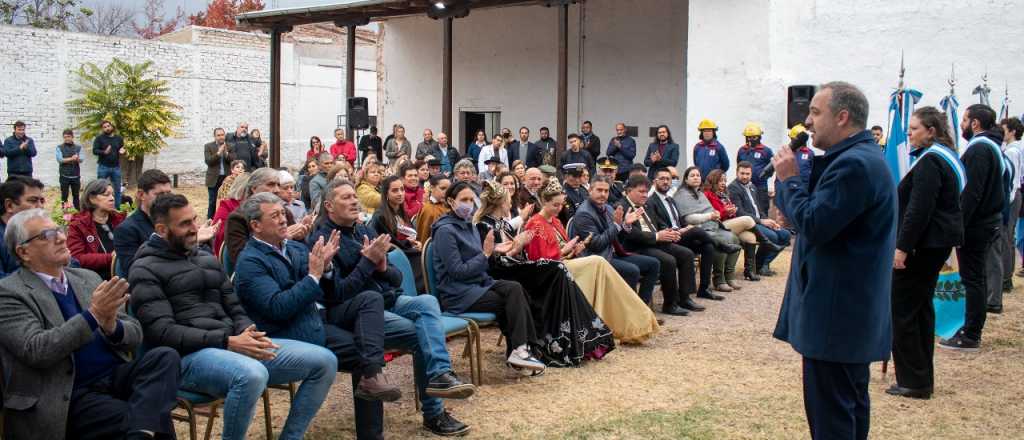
744 207
930 215
636 238
38 346
837 302
590 219
213 162
658 214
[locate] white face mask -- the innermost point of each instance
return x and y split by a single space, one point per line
676 183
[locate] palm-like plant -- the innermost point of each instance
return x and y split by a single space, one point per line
135 101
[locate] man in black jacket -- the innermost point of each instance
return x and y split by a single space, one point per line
982 201
591 142
543 151
184 301
644 238
523 146
108 148
743 194
243 147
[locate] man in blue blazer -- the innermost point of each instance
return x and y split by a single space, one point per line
662 153
838 319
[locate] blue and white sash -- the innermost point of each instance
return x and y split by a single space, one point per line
950 158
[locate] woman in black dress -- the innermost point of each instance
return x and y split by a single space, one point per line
567 325
930 225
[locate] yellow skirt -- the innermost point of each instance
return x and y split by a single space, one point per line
630 320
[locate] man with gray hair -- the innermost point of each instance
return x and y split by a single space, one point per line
838 319
236 233
67 347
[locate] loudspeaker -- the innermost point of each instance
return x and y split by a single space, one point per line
358 115
798 104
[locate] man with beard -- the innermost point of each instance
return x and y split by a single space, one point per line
185 301
218 156
243 146
543 151
662 153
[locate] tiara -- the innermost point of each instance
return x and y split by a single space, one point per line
553 187
493 190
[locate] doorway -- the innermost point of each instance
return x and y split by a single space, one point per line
489 122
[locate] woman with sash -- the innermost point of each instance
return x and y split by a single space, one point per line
930 225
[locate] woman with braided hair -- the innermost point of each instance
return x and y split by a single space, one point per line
567 327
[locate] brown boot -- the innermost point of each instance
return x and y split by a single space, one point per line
377 387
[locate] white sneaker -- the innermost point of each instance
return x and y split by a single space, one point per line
521 358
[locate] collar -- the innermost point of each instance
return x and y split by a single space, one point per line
280 250
758 147
713 143
845 144
48 279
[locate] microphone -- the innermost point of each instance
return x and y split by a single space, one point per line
795 144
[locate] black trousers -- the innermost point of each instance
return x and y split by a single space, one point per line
972 257
136 396
508 300
72 185
836 399
700 243
913 317
211 192
677 271
363 317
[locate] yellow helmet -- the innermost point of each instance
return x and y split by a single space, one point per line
707 124
796 130
752 129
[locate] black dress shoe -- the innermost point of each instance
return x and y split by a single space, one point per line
750 275
994 309
711 296
446 425
448 386
676 311
913 393
729 248
688 304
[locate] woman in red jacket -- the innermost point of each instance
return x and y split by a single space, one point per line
91 232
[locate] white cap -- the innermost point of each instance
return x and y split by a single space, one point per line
285 178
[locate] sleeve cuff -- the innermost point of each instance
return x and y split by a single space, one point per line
315 279
91 320
118 334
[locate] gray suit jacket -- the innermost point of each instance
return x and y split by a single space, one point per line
37 347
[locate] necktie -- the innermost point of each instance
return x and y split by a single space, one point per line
674 213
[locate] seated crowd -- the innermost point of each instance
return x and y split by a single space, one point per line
290 280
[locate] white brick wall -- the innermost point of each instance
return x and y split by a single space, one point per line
214 85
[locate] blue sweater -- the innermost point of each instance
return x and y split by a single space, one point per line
623 154
278 294
94 360
19 161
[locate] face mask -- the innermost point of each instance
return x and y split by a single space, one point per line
465 210
676 183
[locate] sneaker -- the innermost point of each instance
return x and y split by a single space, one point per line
446 425
521 358
960 342
448 386
377 388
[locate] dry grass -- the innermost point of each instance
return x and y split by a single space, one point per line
717 374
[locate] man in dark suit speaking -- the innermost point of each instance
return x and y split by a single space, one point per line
838 319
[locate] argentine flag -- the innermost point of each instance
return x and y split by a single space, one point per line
951 106
1004 110
897 149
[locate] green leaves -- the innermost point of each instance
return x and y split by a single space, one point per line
127 95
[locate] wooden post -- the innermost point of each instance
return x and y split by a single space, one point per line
563 80
275 97
350 76
446 79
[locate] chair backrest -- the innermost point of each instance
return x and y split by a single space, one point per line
568 228
225 260
398 259
429 272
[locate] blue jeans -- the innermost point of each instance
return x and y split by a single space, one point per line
765 256
113 174
242 379
641 269
420 316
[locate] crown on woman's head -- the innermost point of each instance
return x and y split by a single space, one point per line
553 187
493 191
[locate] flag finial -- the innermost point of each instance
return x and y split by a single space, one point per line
903 70
952 79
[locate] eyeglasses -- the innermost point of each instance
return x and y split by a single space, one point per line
46 234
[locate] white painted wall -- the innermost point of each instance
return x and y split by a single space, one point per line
505 59
215 85
743 55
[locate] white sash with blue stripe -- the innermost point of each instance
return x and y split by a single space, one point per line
950 158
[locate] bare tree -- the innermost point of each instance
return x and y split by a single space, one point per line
50 14
108 19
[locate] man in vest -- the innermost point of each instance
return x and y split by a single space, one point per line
69 156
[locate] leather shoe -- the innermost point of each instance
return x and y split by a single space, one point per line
913 393
729 248
711 296
689 304
377 388
676 311
994 309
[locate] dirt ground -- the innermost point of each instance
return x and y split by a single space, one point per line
712 375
